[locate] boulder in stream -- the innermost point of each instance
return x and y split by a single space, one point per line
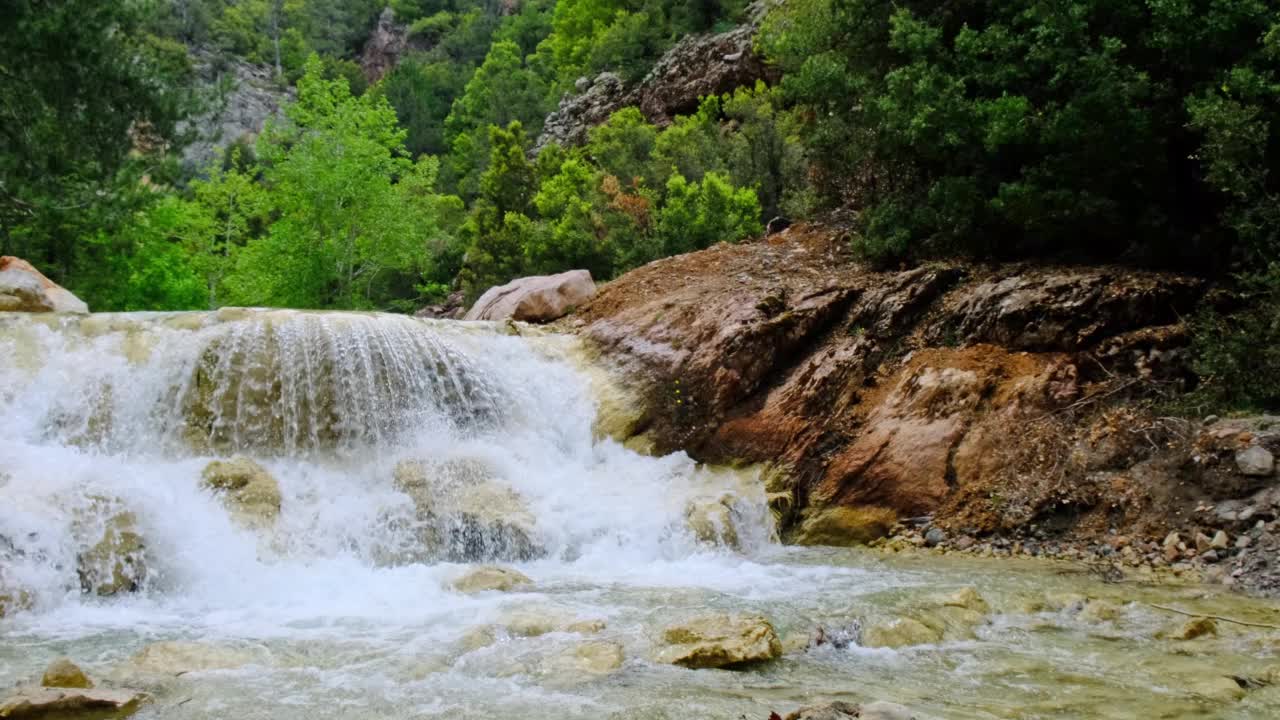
62 673
178 658
25 289
720 641
491 577
465 513
116 563
39 703
248 491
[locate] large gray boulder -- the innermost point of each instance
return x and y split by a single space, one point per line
536 299
25 289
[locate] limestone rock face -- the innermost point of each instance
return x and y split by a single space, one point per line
720 641
385 45
247 490
70 703
253 96
25 289
116 563
537 299
62 673
489 578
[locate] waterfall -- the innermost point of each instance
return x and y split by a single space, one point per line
383 443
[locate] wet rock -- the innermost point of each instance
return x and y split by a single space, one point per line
899 632
117 562
13 599
586 660
465 514
478 637
845 526
69 704
1255 461
712 520
491 578
1217 687
179 658
720 641
1196 627
935 537
62 673
25 289
586 627
535 299
248 491
534 622
1099 611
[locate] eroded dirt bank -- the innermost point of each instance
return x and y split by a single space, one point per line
974 403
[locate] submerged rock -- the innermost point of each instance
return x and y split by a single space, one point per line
117 562
247 490
25 289
899 632
720 641
879 710
1196 627
489 578
584 661
178 658
537 299
70 704
13 599
62 673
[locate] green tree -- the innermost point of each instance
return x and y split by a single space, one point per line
353 212
503 90
499 227
88 102
698 215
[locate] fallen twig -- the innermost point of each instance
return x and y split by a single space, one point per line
1213 617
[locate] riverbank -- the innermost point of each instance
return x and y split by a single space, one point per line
1009 409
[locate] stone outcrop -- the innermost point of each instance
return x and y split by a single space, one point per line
179 658
696 67
248 491
25 289
720 641
386 45
245 97
990 397
537 299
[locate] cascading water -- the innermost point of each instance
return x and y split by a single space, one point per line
374 459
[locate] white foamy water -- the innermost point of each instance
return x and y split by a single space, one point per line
343 607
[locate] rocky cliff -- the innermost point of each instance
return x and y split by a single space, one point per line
698 66
1012 400
242 97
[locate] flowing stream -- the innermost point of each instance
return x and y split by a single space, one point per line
405 452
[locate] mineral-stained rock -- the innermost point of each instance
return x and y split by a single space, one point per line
248 491
25 289
536 299
62 673
1196 627
491 577
720 641
70 704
